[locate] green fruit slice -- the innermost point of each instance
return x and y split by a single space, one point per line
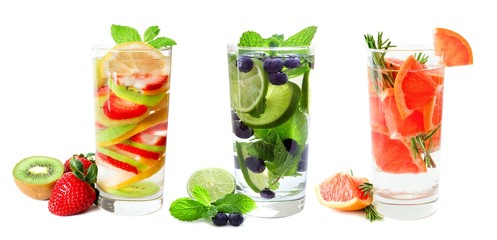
151 148
281 103
111 133
132 95
247 90
119 157
217 181
256 181
135 190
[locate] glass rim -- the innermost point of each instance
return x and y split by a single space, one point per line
285 48
110 48
406 48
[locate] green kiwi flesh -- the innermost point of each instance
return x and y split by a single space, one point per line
135 190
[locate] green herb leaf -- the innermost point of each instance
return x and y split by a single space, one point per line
201 195
302 38
372 214
122 34
187 209
151 33
295 72
210 212
235 203
273 41
261 149
250 39
162 42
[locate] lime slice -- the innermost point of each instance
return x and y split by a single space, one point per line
281 103
217 181
256 181
247 90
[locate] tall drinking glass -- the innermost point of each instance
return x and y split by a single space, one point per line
405 96
269 89
131 98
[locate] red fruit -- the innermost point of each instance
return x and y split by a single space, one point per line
71 195
117 163
102 91
139 152
153 136
145 82
117 108
87 162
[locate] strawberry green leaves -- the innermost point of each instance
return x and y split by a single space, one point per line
123 34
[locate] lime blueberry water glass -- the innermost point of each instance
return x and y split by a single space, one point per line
269 88
131 119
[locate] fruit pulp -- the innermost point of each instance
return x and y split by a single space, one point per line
406 147
131 108
270 137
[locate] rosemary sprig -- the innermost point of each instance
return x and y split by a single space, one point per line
378 59
421 57
371 213
418 147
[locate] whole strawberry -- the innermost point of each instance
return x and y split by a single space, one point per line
87 161
74 192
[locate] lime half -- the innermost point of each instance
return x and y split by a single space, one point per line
281 103
217 181
256 181
247 90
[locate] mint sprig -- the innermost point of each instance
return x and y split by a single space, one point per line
123 34
188 209
254 39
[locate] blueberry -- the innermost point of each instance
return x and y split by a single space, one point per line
244 64
290 145
237 164
278 78
220 219
236 219
234 116
267 193
303 160
255 165
272 65
292 62
241 130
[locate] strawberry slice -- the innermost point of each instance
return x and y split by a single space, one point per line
102 91
144 82
153 136
117 164
117 108
139 152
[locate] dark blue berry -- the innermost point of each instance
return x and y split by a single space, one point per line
290 145
267 193
234 116
272 65
236 219
237 164
220 219
278 78
244 64
292 62
303 160
255 165
241 130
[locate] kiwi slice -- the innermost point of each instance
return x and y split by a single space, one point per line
111 133
135 190
134 96
36 176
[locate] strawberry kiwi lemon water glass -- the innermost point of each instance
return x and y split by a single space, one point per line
406 86
269 88
131 115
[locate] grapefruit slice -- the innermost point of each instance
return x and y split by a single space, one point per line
394 156
413 87
408 127
452 48
432 111
341 191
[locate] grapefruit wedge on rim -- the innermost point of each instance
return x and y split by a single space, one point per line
452 48
341 191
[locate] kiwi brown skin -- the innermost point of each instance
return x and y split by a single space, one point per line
40 190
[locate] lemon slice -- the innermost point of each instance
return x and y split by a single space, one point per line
133 58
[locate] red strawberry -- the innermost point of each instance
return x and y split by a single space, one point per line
117 163
154 136
74 193
86 160
139 152
117 108
145 82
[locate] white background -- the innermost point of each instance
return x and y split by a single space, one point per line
46 108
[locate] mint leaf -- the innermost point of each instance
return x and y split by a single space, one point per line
202 195
151 33
210 212
235 203
295 72
260 149
273 41
122 34
302 38
250 39
162 42
187 209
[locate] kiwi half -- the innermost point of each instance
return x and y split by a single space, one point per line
135 190
36 176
